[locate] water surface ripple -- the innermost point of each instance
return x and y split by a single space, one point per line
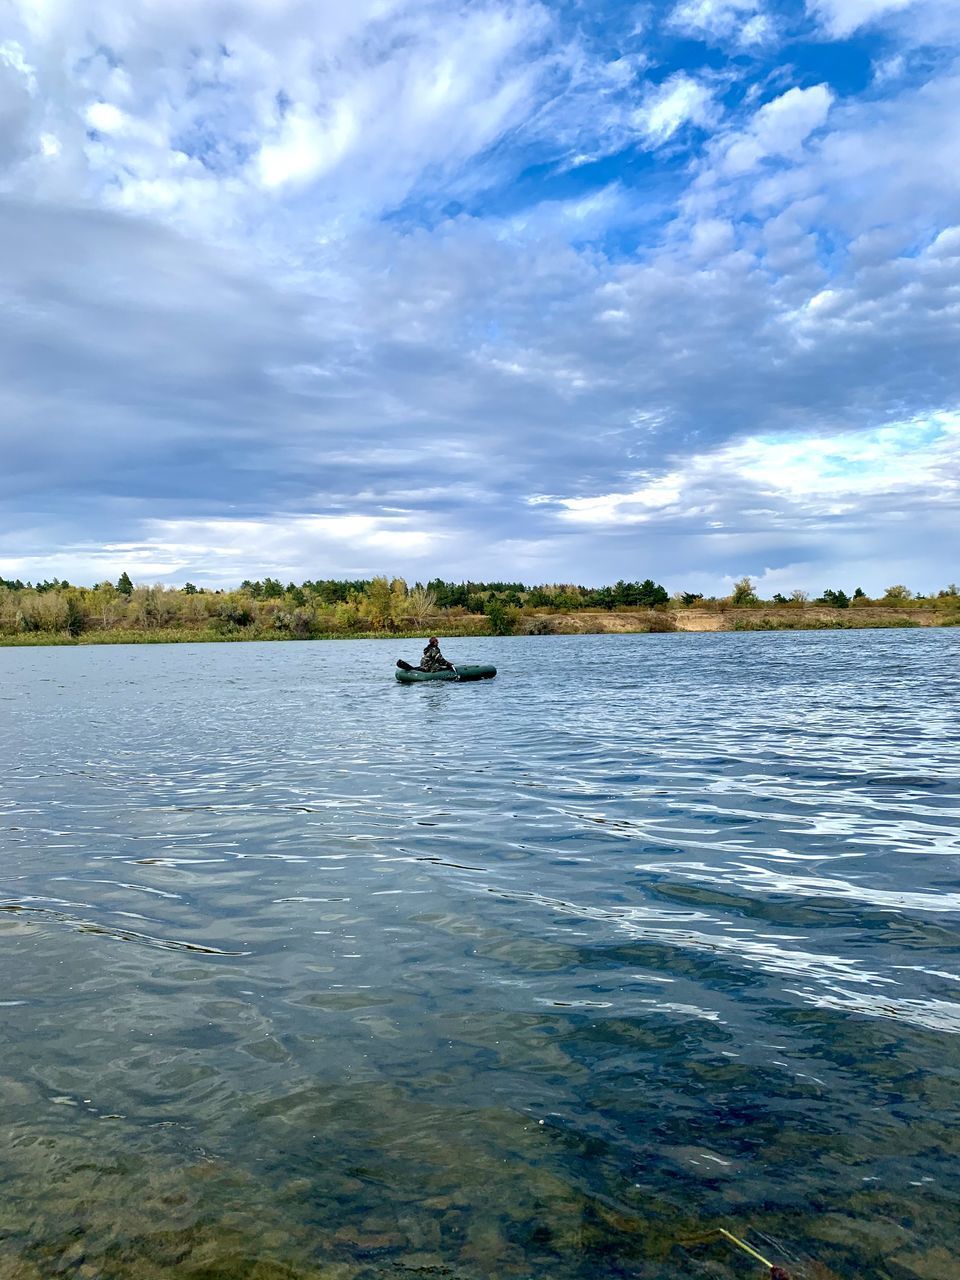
305 972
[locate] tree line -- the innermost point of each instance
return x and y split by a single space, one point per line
268 608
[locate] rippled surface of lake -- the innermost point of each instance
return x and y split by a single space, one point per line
305 972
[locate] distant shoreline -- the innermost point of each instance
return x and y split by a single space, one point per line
622 622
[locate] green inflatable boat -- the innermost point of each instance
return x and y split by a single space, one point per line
411 675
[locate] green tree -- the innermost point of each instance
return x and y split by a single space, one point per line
346 616
650 593
106 604
398 600
503 617
124 584
836 599
539 598
744 593
377 604
897 593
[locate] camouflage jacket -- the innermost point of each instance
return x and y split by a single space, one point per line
433 659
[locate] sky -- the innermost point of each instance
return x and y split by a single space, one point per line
503 289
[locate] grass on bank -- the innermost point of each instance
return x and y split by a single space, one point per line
653 623
172 635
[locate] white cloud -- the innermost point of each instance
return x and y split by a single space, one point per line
328 291
205 112
429 94
779 128
738 21
635 507
824 473
678 101
306 146
16 104
888 69
760 490
823 470
910 24
711 237
223 550
946 244
842 18
107 118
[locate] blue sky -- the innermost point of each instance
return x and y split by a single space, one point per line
557 291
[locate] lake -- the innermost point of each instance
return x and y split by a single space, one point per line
304 972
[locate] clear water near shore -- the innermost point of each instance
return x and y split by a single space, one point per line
304 972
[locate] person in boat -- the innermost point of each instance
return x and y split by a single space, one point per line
433 659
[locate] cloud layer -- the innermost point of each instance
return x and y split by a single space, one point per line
314 290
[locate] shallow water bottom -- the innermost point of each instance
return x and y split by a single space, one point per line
353 1181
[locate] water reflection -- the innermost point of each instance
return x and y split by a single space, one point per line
305 973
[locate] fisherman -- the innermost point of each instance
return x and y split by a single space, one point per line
433 659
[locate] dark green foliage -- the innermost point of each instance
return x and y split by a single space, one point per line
836 599
691 597
628 595
124 584
652 593
189 589
474 595
859 594
503 617
332 591
537 598
76 618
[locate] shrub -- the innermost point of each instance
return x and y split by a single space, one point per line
76 619
234 613
504 618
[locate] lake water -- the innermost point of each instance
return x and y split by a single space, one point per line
307 973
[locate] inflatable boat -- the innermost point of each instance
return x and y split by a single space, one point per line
411 675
